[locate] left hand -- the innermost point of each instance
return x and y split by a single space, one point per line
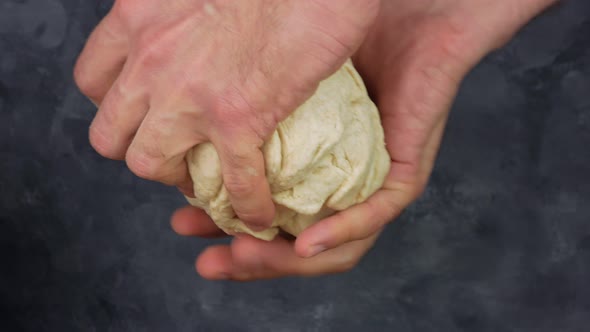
412 61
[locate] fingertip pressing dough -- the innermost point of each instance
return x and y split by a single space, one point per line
326 156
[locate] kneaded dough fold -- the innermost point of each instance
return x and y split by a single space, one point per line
326 156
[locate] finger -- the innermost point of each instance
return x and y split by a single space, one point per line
242 166
251 259
119 116
159 147
356 223
144 160
192 221
215 263
101 59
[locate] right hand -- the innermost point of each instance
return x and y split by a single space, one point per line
168 75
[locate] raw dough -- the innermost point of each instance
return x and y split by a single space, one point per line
327 156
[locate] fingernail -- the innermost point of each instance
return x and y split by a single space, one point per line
257 228
315 249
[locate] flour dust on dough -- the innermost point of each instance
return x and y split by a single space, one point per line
325 157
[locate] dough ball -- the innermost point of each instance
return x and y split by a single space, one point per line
325 157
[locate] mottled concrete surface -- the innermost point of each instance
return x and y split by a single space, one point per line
500 241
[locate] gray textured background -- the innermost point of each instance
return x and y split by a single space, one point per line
499 242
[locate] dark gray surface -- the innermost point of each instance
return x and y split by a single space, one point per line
500 241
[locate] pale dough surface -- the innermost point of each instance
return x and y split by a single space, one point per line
327 156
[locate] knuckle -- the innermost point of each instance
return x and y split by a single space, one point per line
350 232
156 129
241 175
142 164
238 157
248 216
102 144
124 89
85 81
238 184
377 215
151 53
153 47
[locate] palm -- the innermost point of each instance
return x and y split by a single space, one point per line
413 61
412 65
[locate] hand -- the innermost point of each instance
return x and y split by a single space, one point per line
413 60
168 75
